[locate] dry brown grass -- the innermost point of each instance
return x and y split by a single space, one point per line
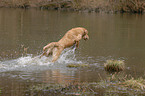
114 65
77 65
136 84
15 3
134 6
115 85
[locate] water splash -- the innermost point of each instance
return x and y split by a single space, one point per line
68 56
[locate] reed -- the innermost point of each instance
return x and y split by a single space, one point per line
114 65
136 84
115 85
71 89
118 85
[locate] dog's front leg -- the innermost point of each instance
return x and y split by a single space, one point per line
46 53
77 44
77 39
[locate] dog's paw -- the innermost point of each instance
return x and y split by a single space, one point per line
44 48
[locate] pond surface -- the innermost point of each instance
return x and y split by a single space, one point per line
112 36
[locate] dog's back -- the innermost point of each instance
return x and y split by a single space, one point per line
69 38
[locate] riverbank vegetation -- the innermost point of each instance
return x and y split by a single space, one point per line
116 83
114 65
113 6
111 86
77 65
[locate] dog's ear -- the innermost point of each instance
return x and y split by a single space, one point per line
85 32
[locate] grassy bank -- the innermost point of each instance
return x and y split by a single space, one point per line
115 85
133 6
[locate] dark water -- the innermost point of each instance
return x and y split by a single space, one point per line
112 36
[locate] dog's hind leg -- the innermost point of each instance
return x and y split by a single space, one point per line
49 51
44 53
53 44
49 46
56 53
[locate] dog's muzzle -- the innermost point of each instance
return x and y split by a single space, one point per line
86 37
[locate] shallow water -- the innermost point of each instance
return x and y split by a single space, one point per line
112 36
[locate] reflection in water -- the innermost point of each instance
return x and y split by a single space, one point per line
112 36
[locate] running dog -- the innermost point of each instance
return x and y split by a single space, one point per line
72 37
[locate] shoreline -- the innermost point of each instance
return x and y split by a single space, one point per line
110 6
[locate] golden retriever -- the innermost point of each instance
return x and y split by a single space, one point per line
72 37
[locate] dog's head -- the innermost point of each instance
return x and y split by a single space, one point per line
85 35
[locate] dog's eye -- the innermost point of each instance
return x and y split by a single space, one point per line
85 32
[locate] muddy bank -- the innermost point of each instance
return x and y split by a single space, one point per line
108 6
